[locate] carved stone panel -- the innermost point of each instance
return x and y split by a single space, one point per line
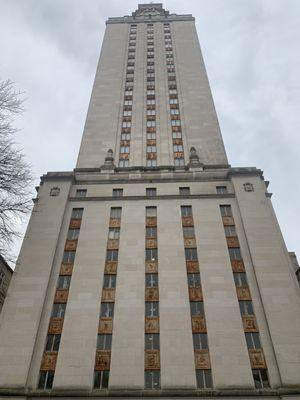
177 141
152 359
102 361
61 296
250 324
237 266
71 245
75 223
232 241
114 222
124 156
198 324
195 294
111 267
190 242
151 267
66 269
192 267
228 220
55 326
108 294
243 293
151 156
257 359
178 154
187 221
49 361
113 244
152 324
105 325
151 243
151 294
202 360
151 221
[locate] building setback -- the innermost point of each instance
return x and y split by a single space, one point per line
153 268
5 277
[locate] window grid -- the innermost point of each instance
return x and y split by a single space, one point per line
256 354
55 327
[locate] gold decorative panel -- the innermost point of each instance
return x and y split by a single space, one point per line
151 267
66 269
152 359
195 294
55 326
108 294
202 360
151 156
114 222
152 325
151 294
151 221
249 323
71 245
178 154
187 221
105 325
112 244
190 242
111 267
237 266
232 241
257 359
151 243
75 224
228 221
192 267
243 293
61 296
102 361
49 361
198 324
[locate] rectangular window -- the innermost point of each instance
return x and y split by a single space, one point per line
152 379
52 343
253 341
77 213
151 135
151 149
204 378
221 189
174 111
150 101
58 310
152 341
64 282
246 307
184 191
69 256
152 308
175 122
101 379
46 380
186 211
104 342
188 232
107 310
115 212
177 147
230 230
240 278
179 162
73 234
200 341
125 136
117 192
151 280
226 211
176 135
123 163
191 254
109 281
150 192
173 101
151 124
151 254
81 192
235 253
150 211
197 308
151 163
194 280
151 232
124 149
126 124
260 377
114 233
151 112
112 255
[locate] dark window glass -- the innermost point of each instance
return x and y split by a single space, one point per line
101 379
152 308
186 211
204 378
226 211
64 282
151 232
191 254
152 379
109 281
107 310
112 255
115 212
117 192
114 233
58 310
69 256
46 380
194 280
221 189
151 254
52 343
150 211
188 232
260 377
73 234
152 341
230 230
81 192
240 278
197 308
253 341
184 191
104 342
246 307
151 280
150 192
235 253
200 341
77 213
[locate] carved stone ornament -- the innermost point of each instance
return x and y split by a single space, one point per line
257 359
243 293
228 221
151 221
151 267
190 242
192 267
55 326
237 266
248 187
232 241
61 296
202 360
108 295
151 325
102 361
112 244
249 323
105 325
151 294
111 267
198 324
114 222
187 221
54 191
108 162
71 245
49 361
152 359
66 269
195 294
151 243
75 223
194 159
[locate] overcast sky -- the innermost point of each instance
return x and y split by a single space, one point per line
50 48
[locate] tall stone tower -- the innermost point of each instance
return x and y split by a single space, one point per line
153 268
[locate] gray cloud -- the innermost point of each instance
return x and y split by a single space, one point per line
50 49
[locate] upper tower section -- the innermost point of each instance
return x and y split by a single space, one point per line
151 100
